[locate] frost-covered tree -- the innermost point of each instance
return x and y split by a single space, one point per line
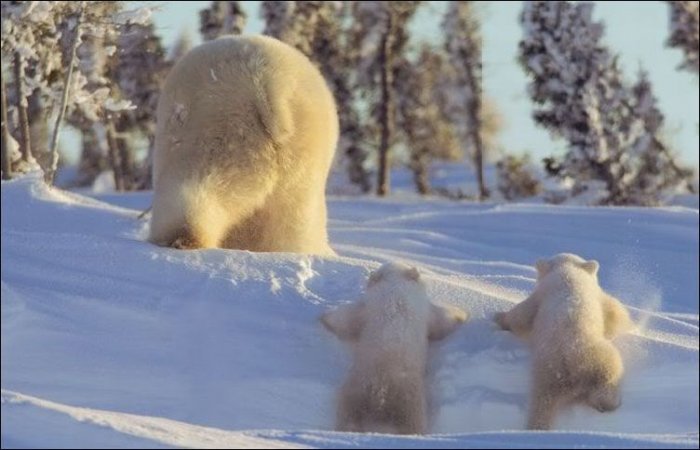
29 39
76 24
333 49
657 170
93 53
381 34
581 96
426 131
683 25
31 34
139 72
49 36
222 17
132 98
120 65
463 45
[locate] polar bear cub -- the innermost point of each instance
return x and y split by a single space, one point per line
390 328
569 321
246 133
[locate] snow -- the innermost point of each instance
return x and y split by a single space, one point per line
110 341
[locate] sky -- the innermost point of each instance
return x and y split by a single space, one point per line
636 31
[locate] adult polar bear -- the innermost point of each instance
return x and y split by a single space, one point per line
246 133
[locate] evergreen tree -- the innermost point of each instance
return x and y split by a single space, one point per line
334 51
277 15
463 45
381 34
683 25
427 133
222 17
612 129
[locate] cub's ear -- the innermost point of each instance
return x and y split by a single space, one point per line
413 274
444 320
591 267
543 267
346 321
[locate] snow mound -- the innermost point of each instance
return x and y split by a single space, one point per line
109 340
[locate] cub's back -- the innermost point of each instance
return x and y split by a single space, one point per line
570 308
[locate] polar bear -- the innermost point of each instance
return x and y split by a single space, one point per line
569 321
389 328
246 133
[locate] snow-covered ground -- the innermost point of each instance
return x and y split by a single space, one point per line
110 341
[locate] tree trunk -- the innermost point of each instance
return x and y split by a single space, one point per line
474 111
25 141
6 156
356 169
127 165
38 126
419 167
386 111
53 149
126 158
92 159
114 159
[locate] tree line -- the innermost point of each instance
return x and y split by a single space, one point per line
401 100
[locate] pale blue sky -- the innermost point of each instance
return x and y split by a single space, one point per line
636 31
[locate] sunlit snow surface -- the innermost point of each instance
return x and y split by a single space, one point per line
110 341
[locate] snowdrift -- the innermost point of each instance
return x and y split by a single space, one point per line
110 341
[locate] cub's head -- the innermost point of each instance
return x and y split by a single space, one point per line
394 273
391 281
545 266
398 288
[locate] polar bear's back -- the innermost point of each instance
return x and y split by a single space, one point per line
396 325
246 133
243 95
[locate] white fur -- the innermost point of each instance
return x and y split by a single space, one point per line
246 134
390 328
568 321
